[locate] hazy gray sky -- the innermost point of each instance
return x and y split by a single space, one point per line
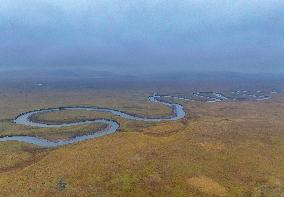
240 35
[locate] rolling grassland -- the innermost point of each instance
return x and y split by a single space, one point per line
219 149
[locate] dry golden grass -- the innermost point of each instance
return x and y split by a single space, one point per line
207 186
234 149
16 155
9 128
58 117
13 102
209 146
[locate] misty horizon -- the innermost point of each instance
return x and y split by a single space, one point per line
143 36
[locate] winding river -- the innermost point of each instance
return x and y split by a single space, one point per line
25 119
178 112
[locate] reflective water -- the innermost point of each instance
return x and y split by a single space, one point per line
178 113
24 119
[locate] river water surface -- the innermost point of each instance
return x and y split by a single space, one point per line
178 112
24 119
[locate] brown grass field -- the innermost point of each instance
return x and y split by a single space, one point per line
219 149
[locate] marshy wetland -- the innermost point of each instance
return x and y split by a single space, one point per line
111 126
230 141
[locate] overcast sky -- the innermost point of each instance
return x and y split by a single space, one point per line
132 35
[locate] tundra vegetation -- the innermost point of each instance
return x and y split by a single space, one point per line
232 148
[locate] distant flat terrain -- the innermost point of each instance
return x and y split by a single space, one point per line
230 148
